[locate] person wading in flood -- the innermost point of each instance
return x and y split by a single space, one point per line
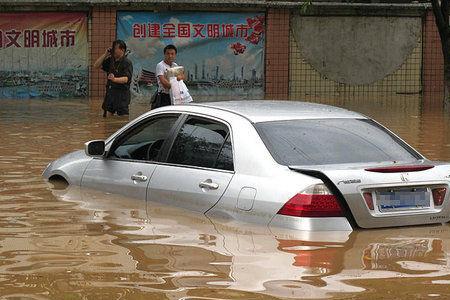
120 71
162 97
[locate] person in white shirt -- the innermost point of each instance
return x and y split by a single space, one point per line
163 97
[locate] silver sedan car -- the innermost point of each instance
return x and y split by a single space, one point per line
291 164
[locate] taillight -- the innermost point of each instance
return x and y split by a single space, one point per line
369 200
439 195
315 201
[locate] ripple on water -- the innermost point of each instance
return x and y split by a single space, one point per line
68 243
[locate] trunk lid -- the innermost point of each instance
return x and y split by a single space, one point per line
401 193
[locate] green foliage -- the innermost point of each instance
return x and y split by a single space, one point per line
305 6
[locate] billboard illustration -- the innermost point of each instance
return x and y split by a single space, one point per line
43 55
222 52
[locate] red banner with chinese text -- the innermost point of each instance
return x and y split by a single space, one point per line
43 55
222 52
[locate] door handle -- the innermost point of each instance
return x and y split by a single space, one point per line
139 177
208 184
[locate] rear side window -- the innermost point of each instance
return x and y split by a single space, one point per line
202 143
331 141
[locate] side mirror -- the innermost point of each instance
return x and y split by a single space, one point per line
95 148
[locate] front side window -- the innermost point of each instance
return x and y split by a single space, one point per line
202 143
144 142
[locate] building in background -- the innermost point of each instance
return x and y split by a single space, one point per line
333 51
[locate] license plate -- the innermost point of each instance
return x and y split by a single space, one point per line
404 199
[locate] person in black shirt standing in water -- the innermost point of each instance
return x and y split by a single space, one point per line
120 71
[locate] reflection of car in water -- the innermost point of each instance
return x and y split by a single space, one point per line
285 164
381 256
210 252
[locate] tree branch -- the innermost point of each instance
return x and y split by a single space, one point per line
440 21
438 14
305 6
445 11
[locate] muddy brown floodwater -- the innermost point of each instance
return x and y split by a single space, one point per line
69 243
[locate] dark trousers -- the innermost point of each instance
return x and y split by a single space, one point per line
161 99
165 99
117 101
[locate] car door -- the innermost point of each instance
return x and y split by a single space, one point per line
130 162
198 167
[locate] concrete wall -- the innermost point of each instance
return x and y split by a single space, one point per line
356 50
308 59
351 57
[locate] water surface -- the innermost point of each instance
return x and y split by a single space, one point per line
69 243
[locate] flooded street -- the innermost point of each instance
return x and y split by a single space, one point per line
69 243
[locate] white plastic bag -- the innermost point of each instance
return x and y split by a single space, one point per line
186 96
179 93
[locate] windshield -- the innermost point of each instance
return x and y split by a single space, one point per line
332 141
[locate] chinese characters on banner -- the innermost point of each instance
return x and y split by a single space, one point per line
223 53
37 38
187 30
43 55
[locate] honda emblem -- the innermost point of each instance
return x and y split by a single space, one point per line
404 177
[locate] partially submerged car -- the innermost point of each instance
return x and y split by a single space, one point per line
279 163
271 260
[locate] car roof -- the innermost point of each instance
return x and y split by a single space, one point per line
277 110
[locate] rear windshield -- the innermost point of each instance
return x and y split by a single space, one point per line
332 141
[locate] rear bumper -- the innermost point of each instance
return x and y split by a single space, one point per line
311 224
